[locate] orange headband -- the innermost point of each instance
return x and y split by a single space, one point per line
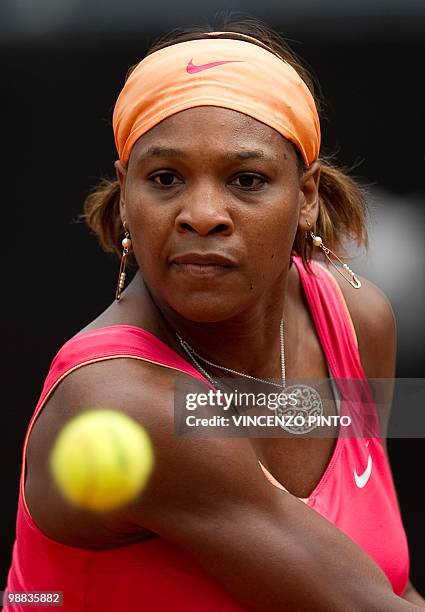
228 73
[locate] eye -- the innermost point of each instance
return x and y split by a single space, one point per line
248 181
164 179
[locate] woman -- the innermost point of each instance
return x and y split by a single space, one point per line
222 200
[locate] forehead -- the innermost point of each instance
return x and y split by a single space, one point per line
211 127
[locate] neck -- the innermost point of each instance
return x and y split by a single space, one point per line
248 342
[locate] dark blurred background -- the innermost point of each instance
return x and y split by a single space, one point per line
63 64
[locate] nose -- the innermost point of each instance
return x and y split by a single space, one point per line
204 214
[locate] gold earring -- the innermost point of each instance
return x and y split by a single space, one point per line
352 278
126 243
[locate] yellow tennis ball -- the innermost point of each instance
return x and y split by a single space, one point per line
101 459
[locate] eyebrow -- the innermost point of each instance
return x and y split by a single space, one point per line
157 151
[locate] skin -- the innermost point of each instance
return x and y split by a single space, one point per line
198 484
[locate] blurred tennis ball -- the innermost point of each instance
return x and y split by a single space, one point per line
101 459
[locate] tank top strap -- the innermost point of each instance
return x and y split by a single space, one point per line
332 320
338 338
116 341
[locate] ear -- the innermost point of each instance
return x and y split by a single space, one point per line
121 172
309 196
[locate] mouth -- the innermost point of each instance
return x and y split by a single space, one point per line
202 265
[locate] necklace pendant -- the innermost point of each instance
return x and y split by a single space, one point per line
302 409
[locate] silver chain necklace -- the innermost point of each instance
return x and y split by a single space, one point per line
193 355
308 399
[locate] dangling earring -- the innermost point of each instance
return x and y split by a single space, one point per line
352 278
126 243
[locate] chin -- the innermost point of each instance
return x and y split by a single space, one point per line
205 308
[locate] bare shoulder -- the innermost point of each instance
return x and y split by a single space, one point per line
374 322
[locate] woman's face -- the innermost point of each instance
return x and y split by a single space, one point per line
213 200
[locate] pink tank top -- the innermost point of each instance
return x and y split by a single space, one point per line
356 492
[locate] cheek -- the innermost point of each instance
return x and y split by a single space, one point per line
270 257
270 236
151 225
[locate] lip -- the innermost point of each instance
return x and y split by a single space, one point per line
204 259
203 265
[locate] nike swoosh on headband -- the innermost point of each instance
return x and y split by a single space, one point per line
362 479
191 68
